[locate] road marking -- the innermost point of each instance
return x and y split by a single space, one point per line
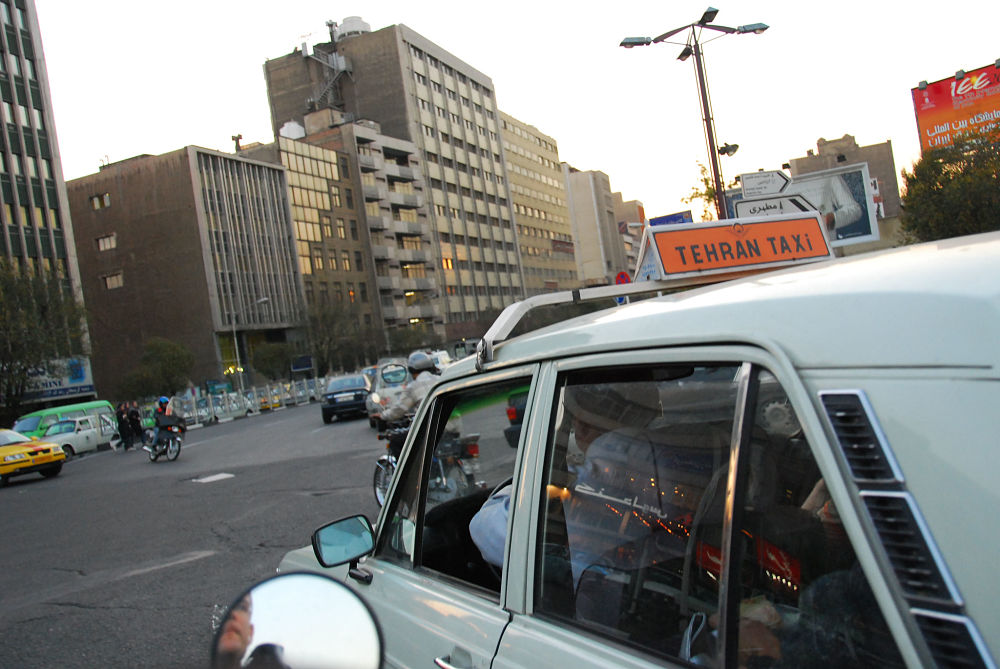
180 559
213 478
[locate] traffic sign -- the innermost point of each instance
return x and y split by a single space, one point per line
767 206
756 184
622 277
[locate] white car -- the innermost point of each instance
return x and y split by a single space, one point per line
75 435
795 468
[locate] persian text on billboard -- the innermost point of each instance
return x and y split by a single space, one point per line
953 106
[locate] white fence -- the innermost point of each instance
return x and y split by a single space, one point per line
227 406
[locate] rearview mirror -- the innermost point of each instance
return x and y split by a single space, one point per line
298 620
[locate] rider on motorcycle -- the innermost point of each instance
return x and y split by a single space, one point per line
159 414
424 373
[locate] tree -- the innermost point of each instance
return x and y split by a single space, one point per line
954 190
338 339
164 369
705 194
41 325
273 360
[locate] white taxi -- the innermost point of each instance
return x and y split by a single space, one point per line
793 469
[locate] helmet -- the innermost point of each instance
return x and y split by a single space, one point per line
163 399
419 362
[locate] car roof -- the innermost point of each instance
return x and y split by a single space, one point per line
930 305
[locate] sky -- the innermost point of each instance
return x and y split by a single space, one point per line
130 78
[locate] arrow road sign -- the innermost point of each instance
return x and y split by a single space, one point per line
768 206
756 184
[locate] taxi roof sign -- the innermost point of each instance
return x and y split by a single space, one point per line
740 244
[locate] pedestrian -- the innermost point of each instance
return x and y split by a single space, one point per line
135 422
124 428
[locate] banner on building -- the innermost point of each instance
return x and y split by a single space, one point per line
956 106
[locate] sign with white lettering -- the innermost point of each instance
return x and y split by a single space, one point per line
756 184
741 244
768 206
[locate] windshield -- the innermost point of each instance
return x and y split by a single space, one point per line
345 383
27 424
8 437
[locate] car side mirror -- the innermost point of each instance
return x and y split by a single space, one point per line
300 620
343 541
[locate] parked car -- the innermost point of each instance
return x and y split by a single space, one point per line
392 376
20 455
345 396
74 435
793 468
35 424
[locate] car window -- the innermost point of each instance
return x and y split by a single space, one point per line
638 460
343 383
62 427
464 455
632 538
802 591
28 424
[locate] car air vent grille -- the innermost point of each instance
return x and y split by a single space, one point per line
866 454
911 556
952 640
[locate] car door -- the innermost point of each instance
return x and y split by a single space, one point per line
689 516
437 599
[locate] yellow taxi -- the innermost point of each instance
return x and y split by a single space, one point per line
21 455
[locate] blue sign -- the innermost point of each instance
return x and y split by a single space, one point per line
673 219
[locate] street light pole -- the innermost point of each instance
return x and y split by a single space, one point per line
236 343
693 48
706 111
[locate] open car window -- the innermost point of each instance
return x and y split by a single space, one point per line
465 450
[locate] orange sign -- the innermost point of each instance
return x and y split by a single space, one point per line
741 243
953 106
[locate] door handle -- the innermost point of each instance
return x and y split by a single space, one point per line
445 663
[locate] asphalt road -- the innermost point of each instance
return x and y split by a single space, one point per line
121 562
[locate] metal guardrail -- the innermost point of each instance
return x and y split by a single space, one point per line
224 407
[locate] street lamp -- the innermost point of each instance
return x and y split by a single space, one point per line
692 47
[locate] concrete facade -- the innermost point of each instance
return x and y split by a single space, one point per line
600 250
541 212
187 247
630 216
418 92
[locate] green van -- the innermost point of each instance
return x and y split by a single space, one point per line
35 423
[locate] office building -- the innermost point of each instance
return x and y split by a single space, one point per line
417 91
194 246
630 216
600 249
37 227
541 213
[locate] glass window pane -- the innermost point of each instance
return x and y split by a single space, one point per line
637 467
803 592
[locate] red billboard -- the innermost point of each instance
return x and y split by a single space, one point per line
956 106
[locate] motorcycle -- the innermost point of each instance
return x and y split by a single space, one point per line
455 464
168 442
394 436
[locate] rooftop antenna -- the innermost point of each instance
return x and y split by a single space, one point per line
237 138
332 26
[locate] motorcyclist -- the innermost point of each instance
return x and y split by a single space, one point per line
162 411
424 373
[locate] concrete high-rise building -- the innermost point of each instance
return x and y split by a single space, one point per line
331 243
538 193
195 246
630 216
881 167
37 235
417 91
600 250
388 174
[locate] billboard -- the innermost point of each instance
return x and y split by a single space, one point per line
955 106
673 219
72 379
843 197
